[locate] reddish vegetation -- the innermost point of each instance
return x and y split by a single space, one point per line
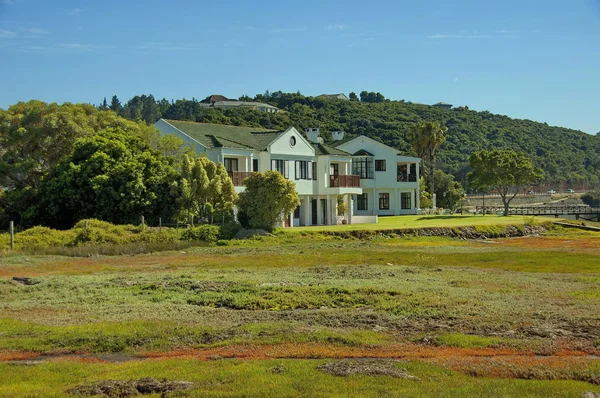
16 356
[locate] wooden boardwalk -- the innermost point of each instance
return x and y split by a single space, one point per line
580 211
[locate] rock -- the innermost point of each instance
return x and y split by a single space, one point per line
370 367
590 394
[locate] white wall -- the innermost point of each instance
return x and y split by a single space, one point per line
384 181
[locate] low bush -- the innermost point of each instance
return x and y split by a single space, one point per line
228 230
205 233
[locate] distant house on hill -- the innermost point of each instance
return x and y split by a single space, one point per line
220 101
340 96
444 105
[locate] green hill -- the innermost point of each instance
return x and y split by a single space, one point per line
565 155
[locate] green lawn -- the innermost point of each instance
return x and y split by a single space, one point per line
423 221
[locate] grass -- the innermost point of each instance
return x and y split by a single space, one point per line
422 221
293 378
466 317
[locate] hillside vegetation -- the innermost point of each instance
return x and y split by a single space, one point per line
564 154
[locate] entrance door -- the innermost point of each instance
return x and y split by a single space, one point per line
324 208
287 222
313 208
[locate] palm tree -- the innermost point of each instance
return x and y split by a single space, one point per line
426 137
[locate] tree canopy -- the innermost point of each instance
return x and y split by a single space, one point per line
207 190
113 176
504 171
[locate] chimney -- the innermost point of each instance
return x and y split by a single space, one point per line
313 134
338 135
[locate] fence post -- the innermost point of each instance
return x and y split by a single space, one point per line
143 223
177 229
12 235
159 224
85 224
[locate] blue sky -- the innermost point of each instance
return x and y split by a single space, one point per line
529 59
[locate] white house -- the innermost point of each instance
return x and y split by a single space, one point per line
321 172
389 180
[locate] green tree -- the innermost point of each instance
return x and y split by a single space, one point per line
506 172
35 136
448 191
353 96
268 196
206 189
426 137
112 176
115 105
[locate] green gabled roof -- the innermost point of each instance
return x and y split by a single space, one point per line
220 135
322 149
340 142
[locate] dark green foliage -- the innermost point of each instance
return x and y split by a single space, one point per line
205 233
112 176
36 136
591 199
564 154
229 229
448 191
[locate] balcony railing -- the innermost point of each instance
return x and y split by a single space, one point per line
407 178
237 177
344 181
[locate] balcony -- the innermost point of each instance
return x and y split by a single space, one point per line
407 178
344 181
237 177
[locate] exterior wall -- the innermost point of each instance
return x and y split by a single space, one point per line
384 181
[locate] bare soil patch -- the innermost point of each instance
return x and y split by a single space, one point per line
370 367
130 388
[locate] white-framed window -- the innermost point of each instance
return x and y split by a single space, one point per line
405 200
282 166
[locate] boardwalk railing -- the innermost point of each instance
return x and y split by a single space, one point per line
541 210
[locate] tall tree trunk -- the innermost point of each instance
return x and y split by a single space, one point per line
431 174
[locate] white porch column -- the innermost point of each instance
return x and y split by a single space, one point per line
327 220
396 202
249 163
319 212
350 209
307 213
375 202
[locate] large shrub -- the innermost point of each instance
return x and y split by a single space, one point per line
113 176
268 196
